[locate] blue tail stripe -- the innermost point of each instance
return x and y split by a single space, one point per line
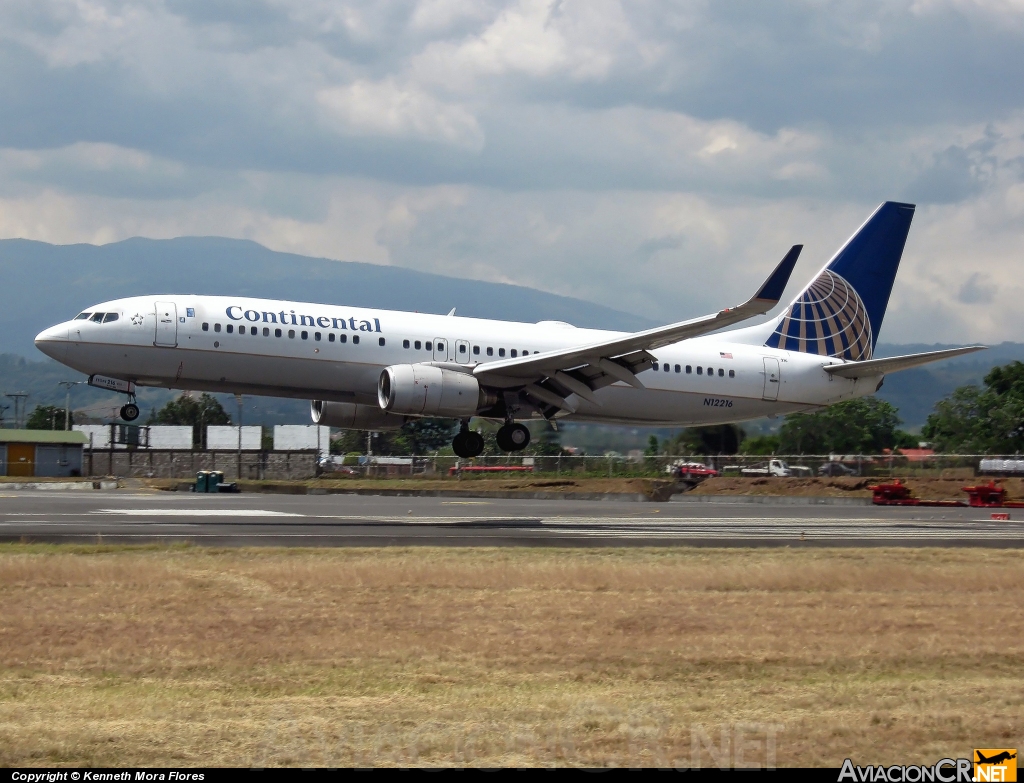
869 260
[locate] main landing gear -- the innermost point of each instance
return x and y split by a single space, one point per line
511 437
468 444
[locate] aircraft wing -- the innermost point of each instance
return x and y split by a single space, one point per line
875 367
551 376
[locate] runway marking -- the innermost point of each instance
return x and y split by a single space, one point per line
193 512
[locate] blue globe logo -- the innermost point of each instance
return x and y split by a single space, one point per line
829 319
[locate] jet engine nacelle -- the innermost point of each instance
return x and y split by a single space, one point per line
350 416
425 390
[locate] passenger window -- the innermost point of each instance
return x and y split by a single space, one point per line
230 328
355 339
711 370
417 345
342 338
689 369
317 336
82 316
721 372
405 343
512 353
206 327
330 337
490 352
97 318
476 350
462 349
109 317
700 371
678 368
305 335
655 367
277 333
266 331
380 342
440 346
216 327
291 334
428 345
732 373
665 367
501 352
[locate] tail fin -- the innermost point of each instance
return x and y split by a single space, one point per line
841 310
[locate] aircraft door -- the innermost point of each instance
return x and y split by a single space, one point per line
771 379
166 324
440 349
462 355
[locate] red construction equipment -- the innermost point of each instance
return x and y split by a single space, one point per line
990 495
898 494
490 469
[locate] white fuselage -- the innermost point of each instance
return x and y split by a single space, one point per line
328 352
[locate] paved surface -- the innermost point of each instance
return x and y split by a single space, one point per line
359 520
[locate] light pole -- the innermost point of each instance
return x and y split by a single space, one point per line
67 401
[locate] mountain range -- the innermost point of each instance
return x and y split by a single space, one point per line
45 283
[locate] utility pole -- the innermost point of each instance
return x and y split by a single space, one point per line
67 401
19 407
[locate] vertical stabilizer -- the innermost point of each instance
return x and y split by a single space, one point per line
840 312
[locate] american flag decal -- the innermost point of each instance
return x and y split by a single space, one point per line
725 355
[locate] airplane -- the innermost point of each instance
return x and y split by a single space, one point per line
375 369
996 759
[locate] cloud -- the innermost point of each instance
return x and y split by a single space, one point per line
655 156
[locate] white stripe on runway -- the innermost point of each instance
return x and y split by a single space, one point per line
194 512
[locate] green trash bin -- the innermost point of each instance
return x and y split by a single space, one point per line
216 477
202 481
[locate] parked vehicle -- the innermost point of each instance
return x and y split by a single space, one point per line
774 467
834 468
690 470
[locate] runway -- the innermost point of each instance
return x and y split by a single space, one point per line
357 520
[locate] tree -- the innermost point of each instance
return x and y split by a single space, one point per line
762 445
199 413
863 426
48 417
427 435
716 439
987 420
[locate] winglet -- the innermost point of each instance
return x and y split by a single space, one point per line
775 285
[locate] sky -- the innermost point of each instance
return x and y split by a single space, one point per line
656 157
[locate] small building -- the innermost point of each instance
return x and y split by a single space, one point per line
31 453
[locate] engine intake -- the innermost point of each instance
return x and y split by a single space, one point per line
425 390
351 416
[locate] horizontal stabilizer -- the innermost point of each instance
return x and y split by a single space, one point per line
876 367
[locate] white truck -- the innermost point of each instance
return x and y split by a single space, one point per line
775 467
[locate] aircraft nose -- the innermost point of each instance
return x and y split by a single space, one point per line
53 341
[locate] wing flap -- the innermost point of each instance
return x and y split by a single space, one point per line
875 367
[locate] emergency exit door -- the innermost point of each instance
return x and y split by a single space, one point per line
771 379
166 324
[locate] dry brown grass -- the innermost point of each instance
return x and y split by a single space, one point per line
505 656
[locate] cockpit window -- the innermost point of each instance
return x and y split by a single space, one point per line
109 317
97 318
82 316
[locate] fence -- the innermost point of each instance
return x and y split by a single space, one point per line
156 463
953 466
